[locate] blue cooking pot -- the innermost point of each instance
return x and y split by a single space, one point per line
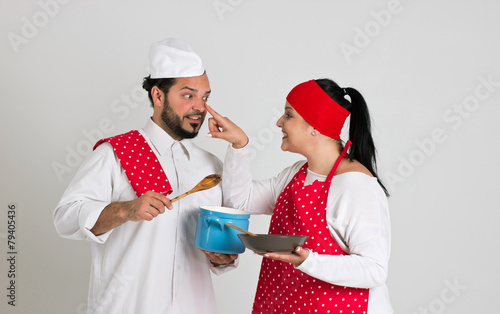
213 235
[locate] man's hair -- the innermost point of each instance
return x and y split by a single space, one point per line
163 84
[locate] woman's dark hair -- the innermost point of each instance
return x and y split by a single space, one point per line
362 148
163 84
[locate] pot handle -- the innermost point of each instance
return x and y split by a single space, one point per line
213 220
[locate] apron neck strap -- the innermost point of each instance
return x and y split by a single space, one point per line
343 154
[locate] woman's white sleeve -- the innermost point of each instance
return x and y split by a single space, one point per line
241 192
358 218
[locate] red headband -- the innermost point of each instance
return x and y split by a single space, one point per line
318 109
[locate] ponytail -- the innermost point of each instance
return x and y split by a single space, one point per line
362 148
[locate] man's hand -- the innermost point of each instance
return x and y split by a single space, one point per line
223 128
220 258
146 207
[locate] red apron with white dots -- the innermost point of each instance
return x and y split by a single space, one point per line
141 166
301 210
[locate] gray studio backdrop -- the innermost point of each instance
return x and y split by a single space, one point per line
71 73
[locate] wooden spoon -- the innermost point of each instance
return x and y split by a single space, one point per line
242 230
205 184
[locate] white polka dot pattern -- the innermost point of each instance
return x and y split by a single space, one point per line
301 210
139 162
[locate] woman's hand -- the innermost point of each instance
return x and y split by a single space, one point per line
223 128
296 257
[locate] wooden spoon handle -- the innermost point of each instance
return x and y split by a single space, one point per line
207 183
242 230
180 196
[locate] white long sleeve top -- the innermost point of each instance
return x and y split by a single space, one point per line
146 266
357 215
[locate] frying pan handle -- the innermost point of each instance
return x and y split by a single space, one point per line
213 220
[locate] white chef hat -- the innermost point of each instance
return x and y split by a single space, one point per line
172 57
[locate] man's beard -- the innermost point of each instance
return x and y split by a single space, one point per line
174 122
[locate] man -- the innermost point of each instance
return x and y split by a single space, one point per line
143 256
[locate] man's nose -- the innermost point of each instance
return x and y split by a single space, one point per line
200 105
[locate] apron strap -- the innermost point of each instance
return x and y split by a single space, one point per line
343 154
141 159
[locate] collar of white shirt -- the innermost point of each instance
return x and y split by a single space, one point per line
162 141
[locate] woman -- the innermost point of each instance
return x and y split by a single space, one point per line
334 197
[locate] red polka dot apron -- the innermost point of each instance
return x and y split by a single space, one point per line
141 166
301 210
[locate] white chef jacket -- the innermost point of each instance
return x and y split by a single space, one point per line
357 215
146 266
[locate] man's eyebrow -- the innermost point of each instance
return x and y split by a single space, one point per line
194 90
